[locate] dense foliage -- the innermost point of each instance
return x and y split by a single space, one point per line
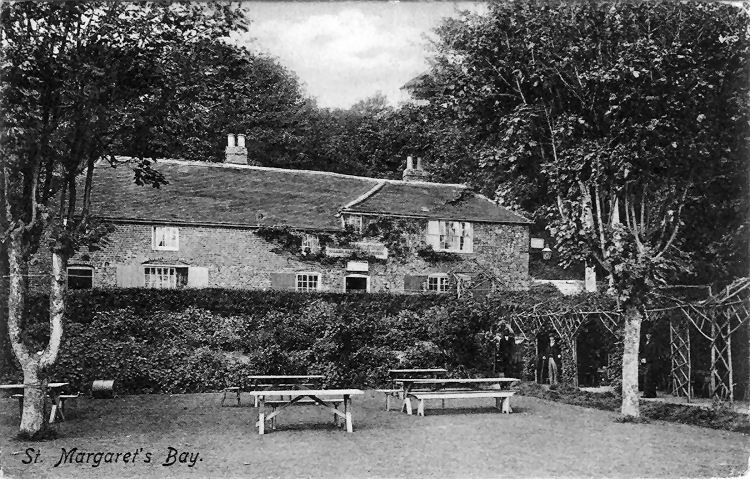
201 340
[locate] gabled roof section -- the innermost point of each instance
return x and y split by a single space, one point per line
218 194
223 194
435 201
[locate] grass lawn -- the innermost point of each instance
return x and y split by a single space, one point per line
540 439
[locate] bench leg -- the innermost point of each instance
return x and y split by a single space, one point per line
443 403
387 402
420 408
407 406
238 397
223 397
261 416
336 416
503 404
348 413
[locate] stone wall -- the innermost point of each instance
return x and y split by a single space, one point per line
237 258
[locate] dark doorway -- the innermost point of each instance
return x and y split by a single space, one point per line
592 346
356 284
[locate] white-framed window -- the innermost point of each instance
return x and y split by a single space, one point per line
453 236
307 282
353 221
310 244
165 238
80 277
437 283
165 277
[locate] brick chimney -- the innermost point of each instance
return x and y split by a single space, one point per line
236 153
415 174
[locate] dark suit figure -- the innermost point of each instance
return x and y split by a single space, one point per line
649 360
506 343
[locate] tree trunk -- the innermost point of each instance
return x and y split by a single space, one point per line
631 345
6 357
33 419
590 278
56 308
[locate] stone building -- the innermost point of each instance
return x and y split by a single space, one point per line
236 225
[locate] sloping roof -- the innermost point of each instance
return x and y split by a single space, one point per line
242 195
216 193
434 200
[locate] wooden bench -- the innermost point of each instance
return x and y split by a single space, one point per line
502 398
66 397
230 390
388 393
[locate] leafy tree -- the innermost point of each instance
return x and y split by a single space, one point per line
77 77
220 88
623 125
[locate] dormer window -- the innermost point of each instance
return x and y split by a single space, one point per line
354 222
165 238
451 236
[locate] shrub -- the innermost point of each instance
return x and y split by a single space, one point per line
197 340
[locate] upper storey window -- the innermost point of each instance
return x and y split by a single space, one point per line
453 236
165 238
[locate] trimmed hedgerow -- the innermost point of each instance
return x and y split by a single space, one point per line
197 340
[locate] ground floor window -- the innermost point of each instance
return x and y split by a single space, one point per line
166 277
308 282
80 277
357 284
437 283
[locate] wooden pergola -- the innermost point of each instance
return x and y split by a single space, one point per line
716 318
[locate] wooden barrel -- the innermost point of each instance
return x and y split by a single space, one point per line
103 388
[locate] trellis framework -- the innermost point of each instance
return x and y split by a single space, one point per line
715 318
566 323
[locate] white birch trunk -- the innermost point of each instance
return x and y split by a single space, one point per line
630 347
590 278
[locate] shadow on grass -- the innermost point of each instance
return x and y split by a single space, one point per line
467 410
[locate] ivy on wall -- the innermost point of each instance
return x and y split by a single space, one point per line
402 237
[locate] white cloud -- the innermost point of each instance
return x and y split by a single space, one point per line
347 51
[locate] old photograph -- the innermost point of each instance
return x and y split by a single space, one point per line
376 239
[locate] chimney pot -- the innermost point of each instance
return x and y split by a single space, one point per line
419 163
236 153
409 163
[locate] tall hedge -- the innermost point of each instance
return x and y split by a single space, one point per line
202 340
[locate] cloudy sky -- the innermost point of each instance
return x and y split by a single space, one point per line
346 51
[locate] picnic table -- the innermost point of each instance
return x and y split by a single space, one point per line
276 381
408 373
456 388
55 391
326 398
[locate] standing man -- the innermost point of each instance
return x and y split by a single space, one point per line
649 360
554 358
506 343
